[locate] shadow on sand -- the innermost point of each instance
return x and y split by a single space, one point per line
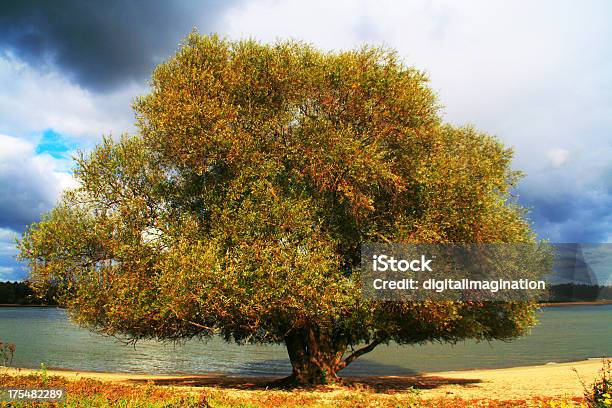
379 378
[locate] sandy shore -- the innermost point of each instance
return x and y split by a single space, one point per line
507 383
558 379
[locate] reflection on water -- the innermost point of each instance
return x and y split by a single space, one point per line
44 335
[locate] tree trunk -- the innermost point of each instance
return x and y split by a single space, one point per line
315 359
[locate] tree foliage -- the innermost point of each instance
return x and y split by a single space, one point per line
240 206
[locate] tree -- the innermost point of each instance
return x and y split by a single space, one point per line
240 206
20 293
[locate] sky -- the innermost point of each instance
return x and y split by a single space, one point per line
538 75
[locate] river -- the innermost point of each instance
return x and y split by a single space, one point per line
45 335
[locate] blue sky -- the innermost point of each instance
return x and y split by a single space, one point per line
536 74
55 145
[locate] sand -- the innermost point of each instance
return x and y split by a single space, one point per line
558 379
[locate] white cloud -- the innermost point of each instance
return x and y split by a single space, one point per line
557 157
33 99
29 183
7 237
6 273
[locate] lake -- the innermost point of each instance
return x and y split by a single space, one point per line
45 335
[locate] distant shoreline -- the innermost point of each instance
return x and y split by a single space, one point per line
566 304
18 305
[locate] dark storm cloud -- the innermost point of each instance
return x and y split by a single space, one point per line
571 216
102 44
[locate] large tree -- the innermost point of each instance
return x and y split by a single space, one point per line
240 205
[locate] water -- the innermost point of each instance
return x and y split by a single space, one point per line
44 335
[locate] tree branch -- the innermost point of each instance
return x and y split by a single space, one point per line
210 329
358 353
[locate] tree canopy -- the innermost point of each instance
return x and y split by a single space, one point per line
240 205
